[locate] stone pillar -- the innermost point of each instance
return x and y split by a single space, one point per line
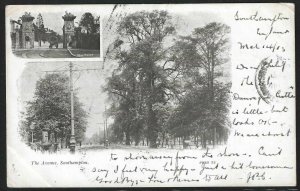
18 40
12 34
12 26
27 31
68 28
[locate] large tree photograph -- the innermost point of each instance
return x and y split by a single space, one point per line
168 90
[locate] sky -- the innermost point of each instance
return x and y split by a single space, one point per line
88 84
52 14
54 21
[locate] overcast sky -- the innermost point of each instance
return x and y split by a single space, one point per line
54 21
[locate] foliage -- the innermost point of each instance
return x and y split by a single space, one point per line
195 115
162 88
200 56
50 109
140 82
88 21
39 29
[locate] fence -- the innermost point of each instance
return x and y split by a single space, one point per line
86 41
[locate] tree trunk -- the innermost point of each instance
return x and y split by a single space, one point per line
212 92
127 137
163 139
61 142
151 118
137 134
196 141
67 142
151 126
55 136
136 141
204 141
184 145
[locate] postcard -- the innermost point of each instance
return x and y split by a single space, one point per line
151 95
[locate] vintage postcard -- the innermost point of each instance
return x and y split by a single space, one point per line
156 95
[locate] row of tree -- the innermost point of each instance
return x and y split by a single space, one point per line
42 34
88 22
167 86
87 34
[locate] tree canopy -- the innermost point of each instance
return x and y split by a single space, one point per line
50 109
163 88
88 21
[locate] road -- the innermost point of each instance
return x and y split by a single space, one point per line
56 53
112 146
43 53
91 148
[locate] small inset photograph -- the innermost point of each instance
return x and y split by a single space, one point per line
60 34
